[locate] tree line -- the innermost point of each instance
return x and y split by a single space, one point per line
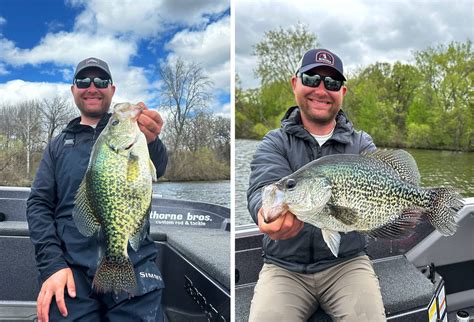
427 104
198 141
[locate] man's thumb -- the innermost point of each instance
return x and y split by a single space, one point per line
71 286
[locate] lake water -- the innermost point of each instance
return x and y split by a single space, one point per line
437 168
217 192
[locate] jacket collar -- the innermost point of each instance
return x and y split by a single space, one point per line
75 125
292 124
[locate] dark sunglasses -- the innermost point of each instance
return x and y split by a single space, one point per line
330 83
86 82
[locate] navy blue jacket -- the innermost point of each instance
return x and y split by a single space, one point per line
282 152
58 244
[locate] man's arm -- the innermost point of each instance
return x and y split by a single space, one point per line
40 210
54 272
366 143
158 156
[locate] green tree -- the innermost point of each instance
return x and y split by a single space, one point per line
260 110
280 51
448 74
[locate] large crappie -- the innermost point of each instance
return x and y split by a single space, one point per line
115 196
375 193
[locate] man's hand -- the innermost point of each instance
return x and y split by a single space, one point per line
284 227
54 286
150 123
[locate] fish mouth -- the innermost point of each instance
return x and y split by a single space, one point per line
272 214
273 205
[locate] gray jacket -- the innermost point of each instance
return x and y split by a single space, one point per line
282 152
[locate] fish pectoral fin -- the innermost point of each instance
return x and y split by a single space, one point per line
400 226
83 214
332 240
153 171
345 215
133 169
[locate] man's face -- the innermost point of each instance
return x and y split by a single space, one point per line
317 104
93 102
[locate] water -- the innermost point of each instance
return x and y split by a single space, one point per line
437 168
217 192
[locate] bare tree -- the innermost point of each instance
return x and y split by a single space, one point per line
6 126
184 93
198 132
26 118
56 112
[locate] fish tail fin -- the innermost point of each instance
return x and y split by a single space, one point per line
115 274
445 203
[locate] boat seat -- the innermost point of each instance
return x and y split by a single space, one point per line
402 285
209 249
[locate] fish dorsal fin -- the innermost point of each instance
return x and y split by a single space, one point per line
400 161
401 227
83 214
345 215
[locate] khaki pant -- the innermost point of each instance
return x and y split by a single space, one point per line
349 291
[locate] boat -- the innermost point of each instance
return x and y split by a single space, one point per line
193 240
426 277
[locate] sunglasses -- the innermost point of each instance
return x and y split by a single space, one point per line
330 83
86 82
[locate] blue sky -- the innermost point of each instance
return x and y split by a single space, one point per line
41 42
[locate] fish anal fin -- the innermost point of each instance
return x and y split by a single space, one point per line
400 227
332 240
83 214
400 161
345 215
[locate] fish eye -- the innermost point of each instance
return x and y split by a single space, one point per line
115 122
290 184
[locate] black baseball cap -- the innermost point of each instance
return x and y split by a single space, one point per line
93 62
320 57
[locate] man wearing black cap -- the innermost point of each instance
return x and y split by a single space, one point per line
300 273
67 260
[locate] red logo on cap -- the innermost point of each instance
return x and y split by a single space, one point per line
325 57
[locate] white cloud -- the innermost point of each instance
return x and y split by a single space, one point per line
3 70
66 48
2 21
361 32
15 91
143 18
209 47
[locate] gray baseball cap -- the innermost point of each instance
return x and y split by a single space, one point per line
320 57
93 62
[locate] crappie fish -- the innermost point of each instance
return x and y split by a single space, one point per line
374 193
115 197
